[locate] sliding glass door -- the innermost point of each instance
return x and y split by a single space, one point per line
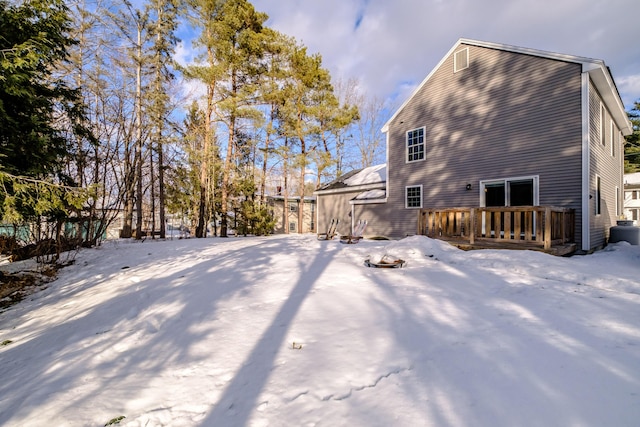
521 191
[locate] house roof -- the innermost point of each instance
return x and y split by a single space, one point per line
372 176
598 71
338 182
292 198
632 178
370 195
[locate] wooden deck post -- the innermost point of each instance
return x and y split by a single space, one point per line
472 228
547 228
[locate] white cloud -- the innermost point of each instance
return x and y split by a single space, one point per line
184 53
630 86
393 45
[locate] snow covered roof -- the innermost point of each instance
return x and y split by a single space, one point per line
632 178
371 175
292 198
371 195
364 179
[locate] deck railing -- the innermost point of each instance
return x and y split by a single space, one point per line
543 226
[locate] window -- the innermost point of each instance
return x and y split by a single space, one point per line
293 226
515 191
598 201
603 126
461 60
521 191
293 207
413 197
617 201
415 145
613 138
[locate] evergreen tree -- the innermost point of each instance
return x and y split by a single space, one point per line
632 146
307 91
163 29
40 116
233 47
36 109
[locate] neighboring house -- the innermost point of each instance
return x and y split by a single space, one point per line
278 211
341 198
632 197
499 125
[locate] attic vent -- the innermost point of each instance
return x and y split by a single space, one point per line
461 60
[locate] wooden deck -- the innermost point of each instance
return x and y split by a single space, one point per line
541 228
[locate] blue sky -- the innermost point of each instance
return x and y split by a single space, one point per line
390 46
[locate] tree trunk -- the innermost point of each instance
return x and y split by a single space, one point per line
138 152
226 174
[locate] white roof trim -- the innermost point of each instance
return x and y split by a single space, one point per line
596 68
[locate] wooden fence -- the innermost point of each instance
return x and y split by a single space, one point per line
543 226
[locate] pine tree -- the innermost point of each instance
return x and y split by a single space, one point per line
307 91
162 30
40 115
33 38
632 146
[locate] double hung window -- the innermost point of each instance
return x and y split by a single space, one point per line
413 196
415 145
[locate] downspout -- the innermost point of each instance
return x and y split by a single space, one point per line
586 164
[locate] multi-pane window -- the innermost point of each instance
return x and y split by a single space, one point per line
414 196
415 145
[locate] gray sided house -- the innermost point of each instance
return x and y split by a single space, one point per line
345 198
498 125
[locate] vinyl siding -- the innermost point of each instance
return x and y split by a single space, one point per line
607 167
335 206
507 115
338 206
377 216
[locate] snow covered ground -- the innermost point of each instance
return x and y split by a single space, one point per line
292 331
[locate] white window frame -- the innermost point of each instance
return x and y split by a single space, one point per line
423 143
457 68
406 196
598 196
617 201
613 138
603 126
